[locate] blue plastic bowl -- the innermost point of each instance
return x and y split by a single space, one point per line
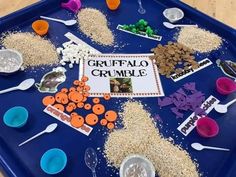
16 117
53 161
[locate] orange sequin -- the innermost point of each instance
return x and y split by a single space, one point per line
91 119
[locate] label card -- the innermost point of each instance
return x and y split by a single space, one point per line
190 123
187 72
141 34
65 118
77 40
123 75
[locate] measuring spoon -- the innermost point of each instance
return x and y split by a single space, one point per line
73 5
24 85
50 128
223 108
199 147
141 10
66 22
171 26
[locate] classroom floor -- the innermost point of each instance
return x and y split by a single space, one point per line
7 7
223 10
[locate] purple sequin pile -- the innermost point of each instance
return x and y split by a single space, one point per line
184 99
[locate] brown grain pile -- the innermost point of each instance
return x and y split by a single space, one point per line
199 39
35 50
171 56
139 136
93 23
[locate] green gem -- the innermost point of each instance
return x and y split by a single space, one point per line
134 30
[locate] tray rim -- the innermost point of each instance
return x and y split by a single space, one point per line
7 169
187 8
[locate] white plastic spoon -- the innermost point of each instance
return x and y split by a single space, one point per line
24 85
66 22
223 108
171 26
199 147
50 128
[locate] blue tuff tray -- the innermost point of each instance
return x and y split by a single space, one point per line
25 161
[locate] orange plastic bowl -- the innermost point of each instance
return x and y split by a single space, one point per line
113 4
40 27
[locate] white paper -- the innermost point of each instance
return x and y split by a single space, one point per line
145 83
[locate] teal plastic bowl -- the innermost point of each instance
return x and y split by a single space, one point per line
16 117
53 161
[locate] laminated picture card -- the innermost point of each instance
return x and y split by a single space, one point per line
122 75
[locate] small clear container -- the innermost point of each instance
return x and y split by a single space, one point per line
5 56
136 166
173 14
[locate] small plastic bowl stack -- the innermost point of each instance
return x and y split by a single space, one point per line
16 117
53 161
136 165
10 61
207 127
173 14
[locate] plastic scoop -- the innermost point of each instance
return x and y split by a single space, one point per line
26 84
223 108
5 58
171 26
199 147
173 14
66 22
225 85
50 128
141 10
73 5
207 127
136 166
90 158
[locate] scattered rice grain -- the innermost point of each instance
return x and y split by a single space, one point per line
93 23
35 50
199 39
140 136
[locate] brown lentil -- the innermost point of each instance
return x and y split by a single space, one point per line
140 136
35 50
169 56
93 23
199 39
